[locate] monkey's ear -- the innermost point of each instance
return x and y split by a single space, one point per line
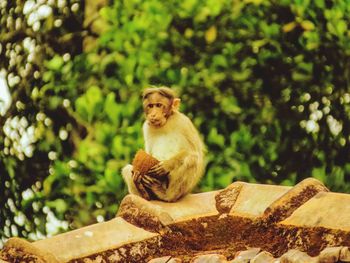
176 104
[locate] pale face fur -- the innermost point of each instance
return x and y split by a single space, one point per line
157 109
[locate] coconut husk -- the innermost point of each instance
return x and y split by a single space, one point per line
143 162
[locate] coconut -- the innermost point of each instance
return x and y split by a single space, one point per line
143 162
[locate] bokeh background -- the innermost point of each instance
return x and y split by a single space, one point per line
267 83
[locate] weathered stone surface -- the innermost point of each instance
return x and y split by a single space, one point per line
344 254
284 206
18 250
226 198
210 258
264 257
137 252
296 256
329 210
246 256
147 215
253 199
329 254
206 234
190 206
239 218
93 239
168 259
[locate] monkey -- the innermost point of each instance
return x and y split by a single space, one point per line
170 137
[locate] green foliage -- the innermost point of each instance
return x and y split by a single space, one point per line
266 83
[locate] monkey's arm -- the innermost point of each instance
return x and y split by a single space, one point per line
163 168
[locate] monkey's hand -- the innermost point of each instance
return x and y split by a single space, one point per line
138 181
151 182
160 170
136 177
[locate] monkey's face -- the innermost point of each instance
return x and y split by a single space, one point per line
157 109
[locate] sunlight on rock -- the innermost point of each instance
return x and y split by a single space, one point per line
89 233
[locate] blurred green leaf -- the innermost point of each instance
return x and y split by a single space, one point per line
215 138
59 205
55 63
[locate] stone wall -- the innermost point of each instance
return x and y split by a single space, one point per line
242 223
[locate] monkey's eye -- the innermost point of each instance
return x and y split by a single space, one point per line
158 105
150 106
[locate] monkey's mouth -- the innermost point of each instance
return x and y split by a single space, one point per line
156 123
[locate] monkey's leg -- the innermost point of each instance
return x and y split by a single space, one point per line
184 176
128 178
134 182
